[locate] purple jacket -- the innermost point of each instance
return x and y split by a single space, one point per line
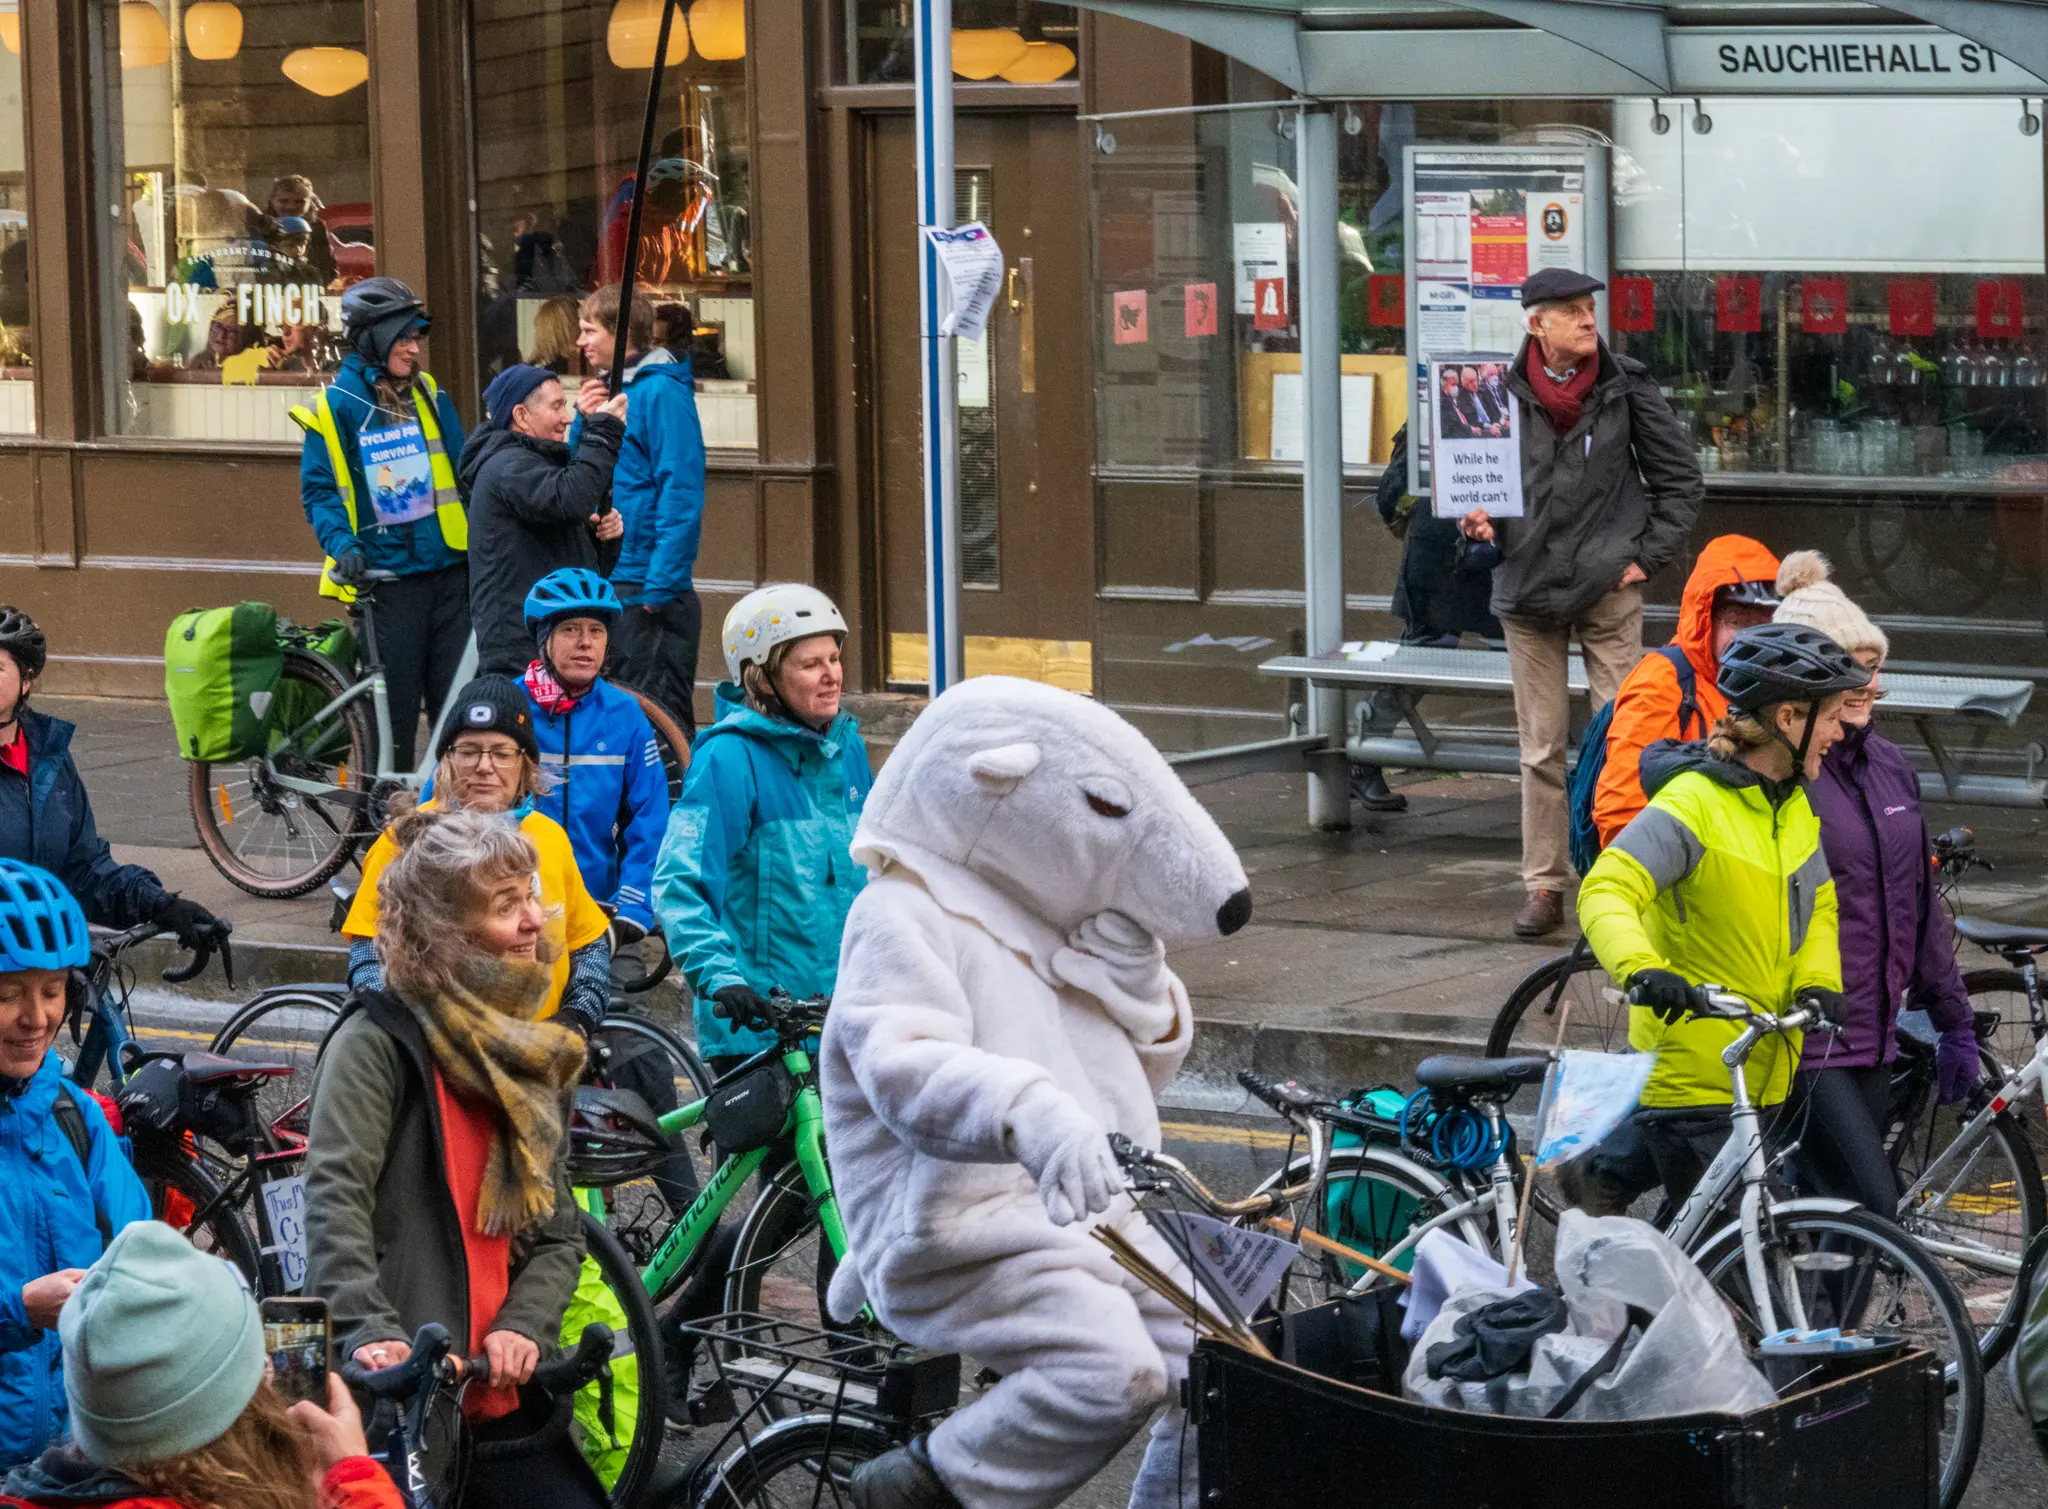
1896 940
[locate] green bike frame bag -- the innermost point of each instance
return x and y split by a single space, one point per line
750 1111
221 669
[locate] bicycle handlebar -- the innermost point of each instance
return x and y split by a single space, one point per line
1286 1100
113 945
431 1345
1156 1171
565 1373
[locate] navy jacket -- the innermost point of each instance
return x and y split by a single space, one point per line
47 820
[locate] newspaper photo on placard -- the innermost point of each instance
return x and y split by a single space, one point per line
1475 433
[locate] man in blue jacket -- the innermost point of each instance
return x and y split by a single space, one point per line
658 486
377 480
65 1185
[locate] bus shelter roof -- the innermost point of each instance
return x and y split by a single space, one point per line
1492 49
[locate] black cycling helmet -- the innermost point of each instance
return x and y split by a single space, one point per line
1785 663
1747 595
376 312
613 1139
20 638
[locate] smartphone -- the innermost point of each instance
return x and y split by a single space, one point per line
298 1339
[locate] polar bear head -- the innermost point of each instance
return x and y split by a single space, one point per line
1058 803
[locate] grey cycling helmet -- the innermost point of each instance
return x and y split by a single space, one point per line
1747 595
1785 663
20 638
376 312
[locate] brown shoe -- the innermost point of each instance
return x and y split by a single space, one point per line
1542 913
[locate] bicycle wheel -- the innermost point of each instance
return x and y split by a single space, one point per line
1527 1024
184 1195
804 1462
1858 1271
781 1263
669 740
285 1025
631 1052
268 838
643 1342
2011 1044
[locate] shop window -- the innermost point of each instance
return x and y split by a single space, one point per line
17 344
241 139
560 99
994 42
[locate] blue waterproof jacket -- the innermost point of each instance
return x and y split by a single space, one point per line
612 799
757 872
47 1222
404 549
658 485
47 820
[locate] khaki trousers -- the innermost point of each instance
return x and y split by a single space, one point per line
1610 635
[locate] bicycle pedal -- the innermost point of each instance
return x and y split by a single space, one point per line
715 1405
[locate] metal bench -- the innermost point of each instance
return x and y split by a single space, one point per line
1411 673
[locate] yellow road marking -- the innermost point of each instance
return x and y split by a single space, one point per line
1202 1131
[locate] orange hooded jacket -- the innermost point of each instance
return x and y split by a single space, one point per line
1646 708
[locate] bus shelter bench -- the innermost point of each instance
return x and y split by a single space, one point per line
1388 726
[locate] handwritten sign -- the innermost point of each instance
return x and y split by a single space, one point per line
284 1201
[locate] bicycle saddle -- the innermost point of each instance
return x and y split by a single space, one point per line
1985 933
1449 1071
205 1068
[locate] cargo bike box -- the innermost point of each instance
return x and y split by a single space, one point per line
1275 1436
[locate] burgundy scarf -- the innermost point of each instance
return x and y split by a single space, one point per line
1563 401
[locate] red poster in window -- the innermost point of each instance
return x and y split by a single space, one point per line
1198 309
1739 305
1129 323
1269 304
2000 310
1635 304
1386 299
1824 306
1912 306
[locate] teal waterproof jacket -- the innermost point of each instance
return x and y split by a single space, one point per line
756 871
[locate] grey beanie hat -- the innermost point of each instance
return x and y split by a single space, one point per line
163 1349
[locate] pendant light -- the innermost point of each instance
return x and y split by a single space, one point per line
635 27
983 54
1042 63
213 30
718 29
145 39
326 71
10 25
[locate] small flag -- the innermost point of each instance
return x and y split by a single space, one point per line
1386 299
1739 305
1912 306
1635 304
1269 304
2000 310
1824 306
1129 323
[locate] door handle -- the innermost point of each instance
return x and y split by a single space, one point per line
1016 303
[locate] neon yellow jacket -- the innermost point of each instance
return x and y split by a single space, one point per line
1713 883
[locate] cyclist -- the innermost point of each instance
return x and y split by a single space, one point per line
46 817
377 480
756 873
1732 587
489 764
1896 945
436 1188
65 1186
164 1363
1721 880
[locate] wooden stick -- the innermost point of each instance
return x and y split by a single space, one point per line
1149 1273
1564 1014
1338 1250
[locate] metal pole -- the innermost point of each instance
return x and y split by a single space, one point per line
941 401
1322 467
621 337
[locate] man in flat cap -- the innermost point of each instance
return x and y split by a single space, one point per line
1610 491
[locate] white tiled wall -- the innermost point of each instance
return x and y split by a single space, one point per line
201 411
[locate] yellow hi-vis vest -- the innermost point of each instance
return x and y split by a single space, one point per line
448 510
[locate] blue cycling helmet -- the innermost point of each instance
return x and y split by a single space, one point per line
572 592
41 924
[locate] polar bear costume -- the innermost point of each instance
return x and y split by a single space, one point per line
1003 1003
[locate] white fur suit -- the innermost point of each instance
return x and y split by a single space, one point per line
1003 1003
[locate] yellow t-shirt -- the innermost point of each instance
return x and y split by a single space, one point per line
561 886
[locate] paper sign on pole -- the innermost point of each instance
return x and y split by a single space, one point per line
1475 432
1586 1098
973 264
1235 1266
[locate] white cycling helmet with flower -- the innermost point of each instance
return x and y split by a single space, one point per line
773 615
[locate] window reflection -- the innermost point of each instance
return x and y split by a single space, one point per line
994 42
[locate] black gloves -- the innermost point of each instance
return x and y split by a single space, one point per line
195 926
575 1016
1831 1004
1665 992
740 1005
349 567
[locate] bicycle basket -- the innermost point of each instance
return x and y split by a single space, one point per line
750 1111
613 1139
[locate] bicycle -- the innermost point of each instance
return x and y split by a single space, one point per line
279 823
102 1030
1778 1263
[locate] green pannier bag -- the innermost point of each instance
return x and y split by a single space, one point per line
221 669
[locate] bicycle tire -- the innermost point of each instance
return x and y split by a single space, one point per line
340 750
667 1072
769 1470
781 1263
1947 1331
285 1024
669 740
1594 1023
622 1277
170 1170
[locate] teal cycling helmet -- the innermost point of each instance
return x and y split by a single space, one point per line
572 592
41 924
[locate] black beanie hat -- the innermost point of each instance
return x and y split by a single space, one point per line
491 705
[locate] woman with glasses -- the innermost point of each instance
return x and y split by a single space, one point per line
1897 953
490 764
